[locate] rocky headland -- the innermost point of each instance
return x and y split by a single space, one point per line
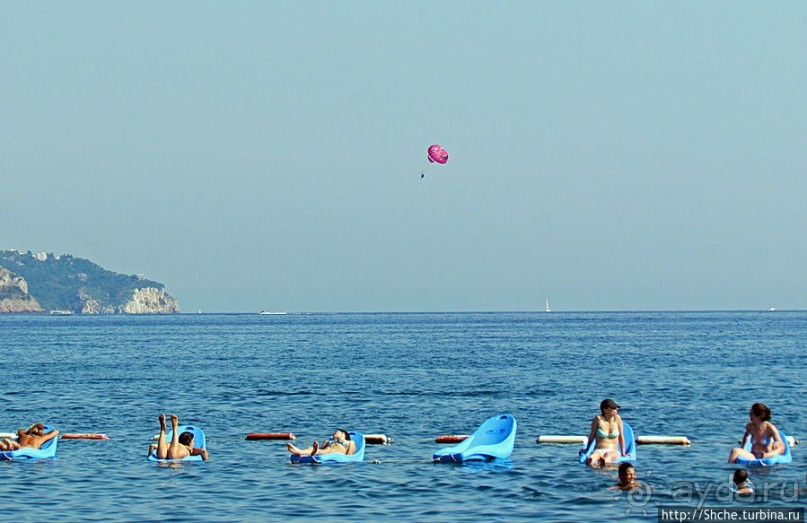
45 283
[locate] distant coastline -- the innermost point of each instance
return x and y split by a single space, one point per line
63 285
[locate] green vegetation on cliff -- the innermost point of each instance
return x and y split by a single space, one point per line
75 284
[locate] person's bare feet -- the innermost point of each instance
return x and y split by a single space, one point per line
294 450
161 417
595 463
174 420
315 447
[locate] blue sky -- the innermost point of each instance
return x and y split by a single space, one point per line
265 155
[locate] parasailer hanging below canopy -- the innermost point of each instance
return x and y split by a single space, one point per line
435 154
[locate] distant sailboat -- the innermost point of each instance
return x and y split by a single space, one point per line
547 306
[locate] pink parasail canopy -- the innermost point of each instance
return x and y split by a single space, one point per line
437 154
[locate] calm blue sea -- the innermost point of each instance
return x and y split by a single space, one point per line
409 376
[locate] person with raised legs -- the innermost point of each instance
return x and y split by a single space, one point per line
181 445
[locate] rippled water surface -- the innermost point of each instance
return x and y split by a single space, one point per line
410 376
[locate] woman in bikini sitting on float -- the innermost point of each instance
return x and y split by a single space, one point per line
765 437
607 431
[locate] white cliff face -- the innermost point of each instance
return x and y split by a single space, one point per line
91 306
14 295
11 282
150 301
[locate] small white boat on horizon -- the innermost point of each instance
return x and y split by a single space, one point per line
267 313
547 306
